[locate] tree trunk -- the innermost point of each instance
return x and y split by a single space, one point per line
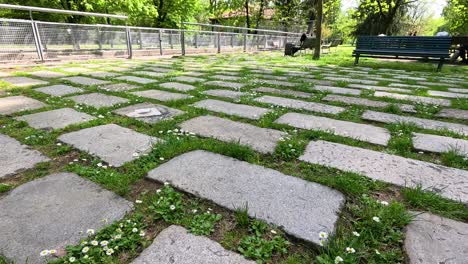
247 17
260 13
318 30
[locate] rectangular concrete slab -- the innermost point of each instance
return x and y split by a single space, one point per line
150 74
225 93
246 111
59 90
84 80
98 100
302 208
119 87
351 80
114 144
135 79
230 85
276 82
161 95
302 105
449 182
414 98
103 74
447 94
225 77
434 143
366 102
48 74
148 112
283 92
453 113
189 79
263 140
55 119
378 88
363 132
434 239
336 90
15 157
177 86
419 122
458 90
13 104
50 213
176 245
23 81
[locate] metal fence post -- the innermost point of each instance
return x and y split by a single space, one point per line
266 42
129 42
170 40
37 40
99 38
140 39
218 40
285 40
182 42
160 43
196 40
245 41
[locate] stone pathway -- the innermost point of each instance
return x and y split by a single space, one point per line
48 74
148 112
176 245
414 98
366 102
245 111
231 85
263 140
16 157
55 119
135 79
177 86
434 143
114 144
336 90
59 90
161 95
453 113
225 93
84 80
420 122
119 87
434 239
301 105
283 92
302 208
362 132
449 182
13 104
23 81
98 100
50 212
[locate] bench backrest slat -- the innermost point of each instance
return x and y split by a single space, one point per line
397 43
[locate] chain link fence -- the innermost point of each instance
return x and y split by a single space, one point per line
23 40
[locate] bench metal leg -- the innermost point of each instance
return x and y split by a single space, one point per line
356 61
441 62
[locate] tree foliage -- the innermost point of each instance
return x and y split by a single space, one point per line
456 15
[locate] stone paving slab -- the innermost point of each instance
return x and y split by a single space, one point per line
59 90
263 140
366 102
23 81
225 77
150 73
410 86
447 94
453 113
378 88
135 79
283 92
178 86
119 87
114 144
48 74
449 182
98 100
302 105
336 90
433 239
271 77
189 79
434 143
84 80
76 70
102 74
148 112
55 119
276 82
225 93
414 98
363 132
161 95
246 111
231 85
161 69
194 73
458 90
15 157
302 208
351 80
50 212
13 104
176 245
419 122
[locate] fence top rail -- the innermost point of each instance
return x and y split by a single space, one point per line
60 11
243 28
15 20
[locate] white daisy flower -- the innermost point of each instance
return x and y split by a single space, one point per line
350 250
72 259
94 243
384 203
172 207
44 253
109 252
158 191
85 249
376 219
138 201
86 257
52 251
323 235
356 234
142 233
104 243
134 230
118 236
338 259
273 232
90 231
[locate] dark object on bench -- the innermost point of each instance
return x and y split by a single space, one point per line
332 44
290 49
407 47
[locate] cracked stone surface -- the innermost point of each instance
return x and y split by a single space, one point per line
176 245
50 212
148 112
302 208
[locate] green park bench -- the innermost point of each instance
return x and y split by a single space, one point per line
403 48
